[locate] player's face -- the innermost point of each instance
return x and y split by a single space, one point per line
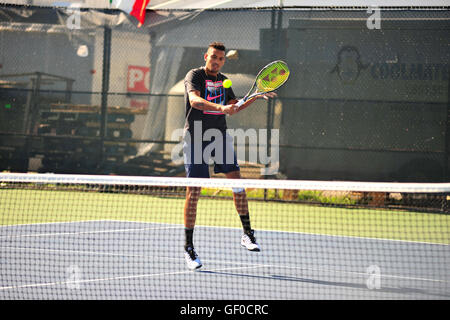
215 59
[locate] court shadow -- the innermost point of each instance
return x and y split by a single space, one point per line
399 290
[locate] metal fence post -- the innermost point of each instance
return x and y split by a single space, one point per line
447 134
105 89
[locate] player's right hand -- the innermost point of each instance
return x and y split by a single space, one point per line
230 109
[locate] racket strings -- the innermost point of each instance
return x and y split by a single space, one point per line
272 77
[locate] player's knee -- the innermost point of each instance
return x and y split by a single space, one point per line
193 193
238 191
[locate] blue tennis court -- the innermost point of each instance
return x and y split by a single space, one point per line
134 260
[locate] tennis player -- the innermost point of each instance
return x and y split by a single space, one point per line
207 104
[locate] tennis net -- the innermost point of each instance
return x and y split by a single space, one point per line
123 237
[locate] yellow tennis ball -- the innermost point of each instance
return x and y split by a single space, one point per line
227 83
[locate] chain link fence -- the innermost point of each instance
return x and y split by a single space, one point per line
86 91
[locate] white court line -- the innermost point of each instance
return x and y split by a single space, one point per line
292 232
99 253
85 221
236 228
247 265
65 251
151 275
332 235
51 223
53 234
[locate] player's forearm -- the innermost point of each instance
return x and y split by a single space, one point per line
245 105
204 105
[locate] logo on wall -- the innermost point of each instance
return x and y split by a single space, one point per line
349 64
138 81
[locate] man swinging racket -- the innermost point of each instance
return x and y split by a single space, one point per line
207 104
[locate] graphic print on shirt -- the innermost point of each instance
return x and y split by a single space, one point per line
214 92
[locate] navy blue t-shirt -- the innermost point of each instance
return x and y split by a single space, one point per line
211 89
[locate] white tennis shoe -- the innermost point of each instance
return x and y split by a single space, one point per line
192 260
248 241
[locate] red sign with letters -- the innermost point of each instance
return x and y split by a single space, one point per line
138 79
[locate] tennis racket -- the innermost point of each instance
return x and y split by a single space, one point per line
269 79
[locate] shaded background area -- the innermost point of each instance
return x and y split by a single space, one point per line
105 97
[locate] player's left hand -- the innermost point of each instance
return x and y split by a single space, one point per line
268 95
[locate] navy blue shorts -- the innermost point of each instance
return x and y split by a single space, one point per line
220 152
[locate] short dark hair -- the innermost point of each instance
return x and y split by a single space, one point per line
217 45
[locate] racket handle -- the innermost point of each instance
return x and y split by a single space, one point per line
240 103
